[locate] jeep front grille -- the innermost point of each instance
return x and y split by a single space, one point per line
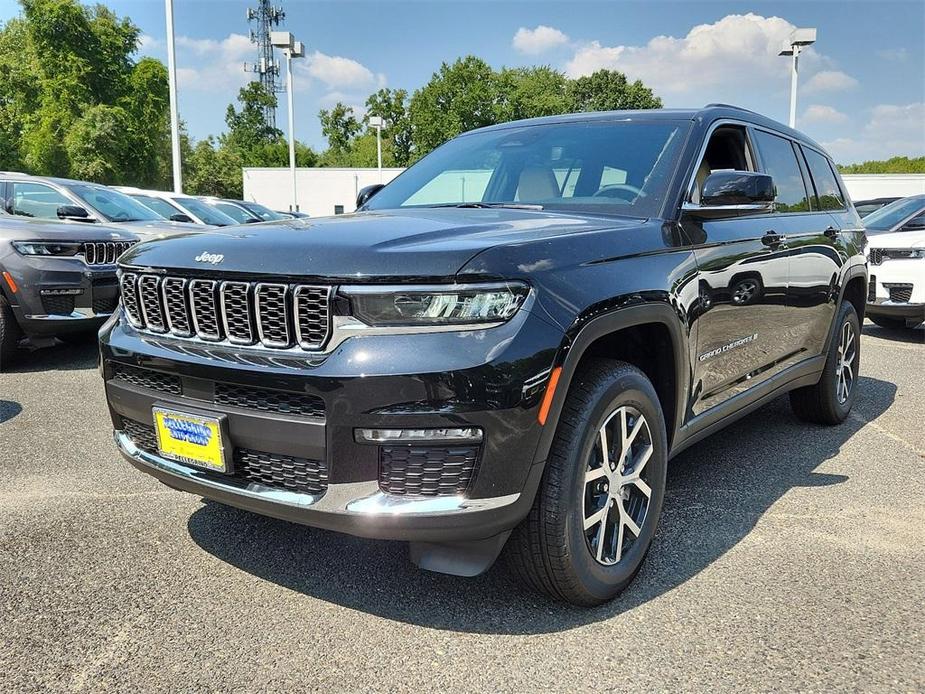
104 252
278 316
876 256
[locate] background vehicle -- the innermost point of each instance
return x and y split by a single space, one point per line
171 205
232 209
905 214
262 212
865 207
896 297
41 197
506 364
56 279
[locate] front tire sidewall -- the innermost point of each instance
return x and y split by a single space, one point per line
847 315
603 582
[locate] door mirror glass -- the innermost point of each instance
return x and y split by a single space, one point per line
180 217
732 193
73 213
366 193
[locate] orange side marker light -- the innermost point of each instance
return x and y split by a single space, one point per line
550 392
10 281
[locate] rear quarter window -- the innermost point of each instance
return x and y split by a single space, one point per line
827 188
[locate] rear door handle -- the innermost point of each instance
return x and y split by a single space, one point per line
832 232
772 239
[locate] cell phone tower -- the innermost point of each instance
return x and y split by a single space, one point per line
263 19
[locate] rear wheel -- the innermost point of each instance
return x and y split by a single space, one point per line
10 334
889 323
598 505
829 401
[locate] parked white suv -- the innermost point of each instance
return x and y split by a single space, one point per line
896 294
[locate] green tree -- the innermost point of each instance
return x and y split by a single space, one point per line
339 125
392 106
893 165
458 98
99 145
609 90
248 131
532 92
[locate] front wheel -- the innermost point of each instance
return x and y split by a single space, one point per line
595 514
9 334
829 401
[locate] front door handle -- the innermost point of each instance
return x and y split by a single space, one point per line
832 232
772 239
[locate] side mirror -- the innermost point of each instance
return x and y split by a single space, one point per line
731 193
252 220
180 217
74 213
366 193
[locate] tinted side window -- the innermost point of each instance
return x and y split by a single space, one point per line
780 161
827 190
36 200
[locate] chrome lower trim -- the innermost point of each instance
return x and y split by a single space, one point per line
357 498
76 314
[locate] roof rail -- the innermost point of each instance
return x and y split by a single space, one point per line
733 106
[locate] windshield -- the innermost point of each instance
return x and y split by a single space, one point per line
890 215
236 212
159 205
207 213
609 167
265 213
113 205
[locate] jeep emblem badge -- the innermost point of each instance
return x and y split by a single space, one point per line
206 257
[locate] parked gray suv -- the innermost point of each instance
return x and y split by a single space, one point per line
56 280
43 197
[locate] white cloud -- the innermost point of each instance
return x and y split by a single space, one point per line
538 40
829 81
818 113
895 54
214 65
736 51
338 72
890 131
147 43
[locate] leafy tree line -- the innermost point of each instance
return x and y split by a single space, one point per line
894 165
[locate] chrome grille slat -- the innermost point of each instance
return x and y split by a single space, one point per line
312 315
173 291
128 289
272 308
278 316
236 312
104 252
149 296
204 309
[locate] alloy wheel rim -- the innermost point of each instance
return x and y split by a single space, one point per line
744 292
844 373
616 491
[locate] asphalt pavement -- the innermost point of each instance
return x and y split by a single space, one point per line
790 557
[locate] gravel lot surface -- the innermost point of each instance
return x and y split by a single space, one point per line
789 557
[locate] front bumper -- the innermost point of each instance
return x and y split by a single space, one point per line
490 379
897 289
56 296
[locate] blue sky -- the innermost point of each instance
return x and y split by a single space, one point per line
862 85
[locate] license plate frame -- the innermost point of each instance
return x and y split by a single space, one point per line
214 455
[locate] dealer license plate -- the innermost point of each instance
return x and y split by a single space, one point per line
190 438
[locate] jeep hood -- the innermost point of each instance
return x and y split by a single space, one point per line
422 244
160 229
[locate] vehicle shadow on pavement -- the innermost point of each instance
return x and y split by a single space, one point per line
912 335
72 356
8 410
717 492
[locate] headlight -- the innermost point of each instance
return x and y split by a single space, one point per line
46 248
449 305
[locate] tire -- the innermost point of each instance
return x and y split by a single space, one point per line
10 335
551 550
827 402
746 290
889 323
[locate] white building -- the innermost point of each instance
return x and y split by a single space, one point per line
328 191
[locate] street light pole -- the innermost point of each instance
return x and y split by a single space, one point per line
378 122
292 49
174 113
799 39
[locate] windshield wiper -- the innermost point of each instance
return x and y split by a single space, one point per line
505 205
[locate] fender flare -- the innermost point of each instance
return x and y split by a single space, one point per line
855 270
620 319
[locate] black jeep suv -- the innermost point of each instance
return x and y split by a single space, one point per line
503 347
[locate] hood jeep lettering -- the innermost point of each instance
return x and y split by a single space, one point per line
212 258
741 342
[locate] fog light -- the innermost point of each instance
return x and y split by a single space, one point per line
468 434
